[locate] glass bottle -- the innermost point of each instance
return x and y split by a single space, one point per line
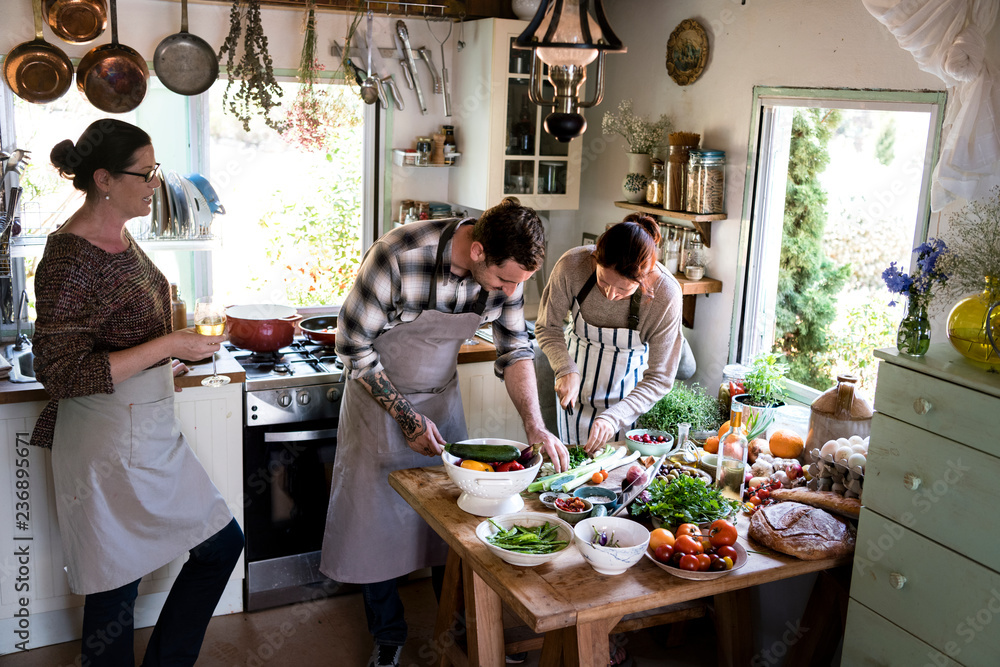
732 459
423 152
673 252
692 198
450 147
654 186
694 267
523 131
178 309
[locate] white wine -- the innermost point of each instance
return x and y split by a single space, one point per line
732 456
730 479
211 327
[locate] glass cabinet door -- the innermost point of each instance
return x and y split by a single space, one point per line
522 119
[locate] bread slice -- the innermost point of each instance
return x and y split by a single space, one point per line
802 531
827 500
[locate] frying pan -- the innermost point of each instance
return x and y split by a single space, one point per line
37 71
113 76
185 63
77 21
313 329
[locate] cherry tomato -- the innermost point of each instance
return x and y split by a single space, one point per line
703 562
675 559
726 552
718 565
754 500
729 562
689 562
604 474
688 529
686 544
722 533
763 494
664 552
597 478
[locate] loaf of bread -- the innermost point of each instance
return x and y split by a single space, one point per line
802 531
827 500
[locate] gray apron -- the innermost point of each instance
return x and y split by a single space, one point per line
131 496
372 534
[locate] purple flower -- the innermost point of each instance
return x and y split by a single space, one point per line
924 277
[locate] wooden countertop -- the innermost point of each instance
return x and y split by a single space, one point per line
481 351
18 392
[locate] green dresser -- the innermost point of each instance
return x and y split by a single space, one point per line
926 582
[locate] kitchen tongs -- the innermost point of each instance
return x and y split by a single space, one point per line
632 491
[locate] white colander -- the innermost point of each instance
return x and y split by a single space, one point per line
490 493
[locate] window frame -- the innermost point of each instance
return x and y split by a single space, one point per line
751 249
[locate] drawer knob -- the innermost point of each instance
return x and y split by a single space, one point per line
897 580
911 481
921 406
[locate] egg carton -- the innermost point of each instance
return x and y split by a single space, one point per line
837 477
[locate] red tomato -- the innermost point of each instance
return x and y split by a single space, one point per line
688 529
689 562
763 494
722 533
726 552
704 562
754 500
686 544
664 552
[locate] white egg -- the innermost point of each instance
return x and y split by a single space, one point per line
829 450
843 453
855 440
867 438
843 442
857 462
860 447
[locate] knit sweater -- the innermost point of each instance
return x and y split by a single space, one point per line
90 303
659 328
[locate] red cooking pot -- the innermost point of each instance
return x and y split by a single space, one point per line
261 327
321 329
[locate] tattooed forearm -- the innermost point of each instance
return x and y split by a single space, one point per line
386 395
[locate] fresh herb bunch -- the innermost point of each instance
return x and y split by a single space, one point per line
974 248
258 90
641 135
684 403
684 500
930 271
577 456
765 381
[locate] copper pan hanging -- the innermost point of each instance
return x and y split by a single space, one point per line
77 21
37 71
113 76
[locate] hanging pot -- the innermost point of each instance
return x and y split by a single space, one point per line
37 71
321 329
185 63
261 327
77 21
113 76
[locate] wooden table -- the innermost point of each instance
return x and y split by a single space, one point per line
575 607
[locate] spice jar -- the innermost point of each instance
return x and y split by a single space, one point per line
654 186
423 152
839 412
404 209
450 147
178 309
711 177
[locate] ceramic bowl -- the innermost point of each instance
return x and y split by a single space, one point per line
573 517
598 496
548 498
631 536
528 520
707 462
649 448
490 493
741 560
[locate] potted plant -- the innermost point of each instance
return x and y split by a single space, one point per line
764 384
684 403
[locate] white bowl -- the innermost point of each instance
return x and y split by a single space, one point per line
528 520
490 493
632 537
649 448
741 560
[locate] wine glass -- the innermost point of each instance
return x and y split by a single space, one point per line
210 320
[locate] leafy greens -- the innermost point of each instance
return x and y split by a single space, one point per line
684 500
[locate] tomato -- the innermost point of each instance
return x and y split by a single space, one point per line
476 465
722 533
718 565
604 474
703 562
686 544
660 536
729 562
597 478
675 559
726 552
763 494
664 552
754 500
690 563
688 529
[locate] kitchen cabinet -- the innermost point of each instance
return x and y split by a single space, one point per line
211 419
489 412
505 149
926 582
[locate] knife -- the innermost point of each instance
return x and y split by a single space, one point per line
404 38
632 491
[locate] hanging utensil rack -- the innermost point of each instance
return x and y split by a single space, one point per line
446 8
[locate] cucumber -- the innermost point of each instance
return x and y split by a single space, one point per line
484 453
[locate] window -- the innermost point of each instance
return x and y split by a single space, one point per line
837 188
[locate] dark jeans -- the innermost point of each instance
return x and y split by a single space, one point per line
109 617
384 608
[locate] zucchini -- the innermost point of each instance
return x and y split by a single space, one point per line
483 453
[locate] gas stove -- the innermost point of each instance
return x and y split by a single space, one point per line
301 382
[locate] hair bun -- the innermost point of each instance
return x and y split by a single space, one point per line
65 158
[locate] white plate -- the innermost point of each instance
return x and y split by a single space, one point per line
741 560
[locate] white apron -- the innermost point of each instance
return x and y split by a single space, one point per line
131 496
611 362
372 534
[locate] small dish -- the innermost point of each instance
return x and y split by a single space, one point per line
741 560
548 498
598 496
707 462
649 448
572 517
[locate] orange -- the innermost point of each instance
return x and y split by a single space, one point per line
712 445
660 536
786 444
724 429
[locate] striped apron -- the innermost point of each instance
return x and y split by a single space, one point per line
611 362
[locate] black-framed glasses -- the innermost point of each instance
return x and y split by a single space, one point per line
148 176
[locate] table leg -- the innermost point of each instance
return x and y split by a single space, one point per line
552 649
586 644
448 619
734 628
484 619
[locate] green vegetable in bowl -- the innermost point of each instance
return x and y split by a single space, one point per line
524 540
684 500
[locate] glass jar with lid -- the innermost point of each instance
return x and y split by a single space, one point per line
654 186
423 152
732 384
694 267
691 180
711 185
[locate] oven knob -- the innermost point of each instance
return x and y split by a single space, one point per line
333 394
302 398
284 400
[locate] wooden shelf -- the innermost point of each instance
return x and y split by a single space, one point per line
691 289
700 221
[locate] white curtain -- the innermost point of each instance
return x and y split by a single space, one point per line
948 39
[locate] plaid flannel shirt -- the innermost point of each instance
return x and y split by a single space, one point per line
392 288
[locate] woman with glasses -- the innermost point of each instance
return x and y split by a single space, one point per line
621 349
130 494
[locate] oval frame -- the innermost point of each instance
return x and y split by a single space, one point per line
690 41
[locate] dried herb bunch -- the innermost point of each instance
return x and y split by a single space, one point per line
974 241
259 92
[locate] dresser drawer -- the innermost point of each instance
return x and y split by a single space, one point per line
933 593
941 407
955 490
869 639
